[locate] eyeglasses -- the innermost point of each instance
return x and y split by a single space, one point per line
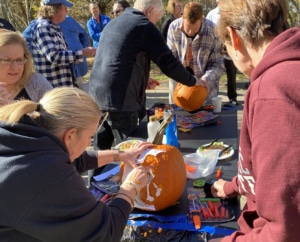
117 11
8 62
179 6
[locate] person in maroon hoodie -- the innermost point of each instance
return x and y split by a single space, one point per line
263 47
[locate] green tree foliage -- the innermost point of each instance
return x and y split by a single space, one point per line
21 12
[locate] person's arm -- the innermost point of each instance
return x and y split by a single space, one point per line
94 159
37 86
50 45
160 54
93 29
65 204
271 183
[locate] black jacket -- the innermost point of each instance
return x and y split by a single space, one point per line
43 198
122 64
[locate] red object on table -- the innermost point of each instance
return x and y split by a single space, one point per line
219 173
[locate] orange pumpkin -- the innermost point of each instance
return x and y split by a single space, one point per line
189 98
169 179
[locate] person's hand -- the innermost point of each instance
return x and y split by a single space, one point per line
89 51
152 84
138 178
217 189
129 156
201 82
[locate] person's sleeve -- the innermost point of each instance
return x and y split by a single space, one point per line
215 65
93 31
49 44
274 131
67 211
87 161
42 85
156 47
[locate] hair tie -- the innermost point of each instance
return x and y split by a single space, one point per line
38 107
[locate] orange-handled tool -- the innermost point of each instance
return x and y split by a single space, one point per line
196 217
219 173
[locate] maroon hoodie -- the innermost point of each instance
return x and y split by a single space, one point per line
269 153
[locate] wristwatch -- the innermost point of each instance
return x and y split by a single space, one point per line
116 154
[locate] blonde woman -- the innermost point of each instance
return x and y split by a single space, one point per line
41 146
175 10
17 79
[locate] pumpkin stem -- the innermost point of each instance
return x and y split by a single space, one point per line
160 132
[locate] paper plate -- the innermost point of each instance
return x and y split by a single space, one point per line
224 156
128 144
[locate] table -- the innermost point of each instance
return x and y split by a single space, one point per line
227 132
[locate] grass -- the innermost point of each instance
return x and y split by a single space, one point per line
156 73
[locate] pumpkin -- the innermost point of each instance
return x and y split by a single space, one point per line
169 178
189 98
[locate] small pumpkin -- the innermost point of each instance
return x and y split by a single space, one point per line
189 98
169 178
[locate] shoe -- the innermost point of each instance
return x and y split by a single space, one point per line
234 102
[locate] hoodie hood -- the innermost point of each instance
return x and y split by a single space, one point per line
285 47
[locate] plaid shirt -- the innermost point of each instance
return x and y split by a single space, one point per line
51 55
207 63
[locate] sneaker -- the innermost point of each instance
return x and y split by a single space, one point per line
234 102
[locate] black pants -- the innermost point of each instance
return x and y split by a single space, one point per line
231 79
117 128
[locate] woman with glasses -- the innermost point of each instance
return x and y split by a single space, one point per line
263 46
17 78
119 7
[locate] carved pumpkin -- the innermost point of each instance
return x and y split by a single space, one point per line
189 98
169 178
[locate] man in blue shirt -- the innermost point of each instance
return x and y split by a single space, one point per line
77 39
96 23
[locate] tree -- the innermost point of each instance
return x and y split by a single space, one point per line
21 12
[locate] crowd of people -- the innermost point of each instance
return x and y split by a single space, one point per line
46 121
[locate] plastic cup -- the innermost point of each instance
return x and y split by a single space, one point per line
217 103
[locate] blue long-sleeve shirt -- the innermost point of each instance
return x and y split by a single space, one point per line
77 39
95 29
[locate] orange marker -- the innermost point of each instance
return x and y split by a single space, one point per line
219 173
196 217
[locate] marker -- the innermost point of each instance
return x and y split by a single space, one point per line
196 217
219 173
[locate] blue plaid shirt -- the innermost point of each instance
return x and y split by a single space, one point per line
207 63
51 55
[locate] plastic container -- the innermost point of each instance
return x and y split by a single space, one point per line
171 133
152 127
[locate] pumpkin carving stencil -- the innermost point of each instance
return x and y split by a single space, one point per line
168 178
